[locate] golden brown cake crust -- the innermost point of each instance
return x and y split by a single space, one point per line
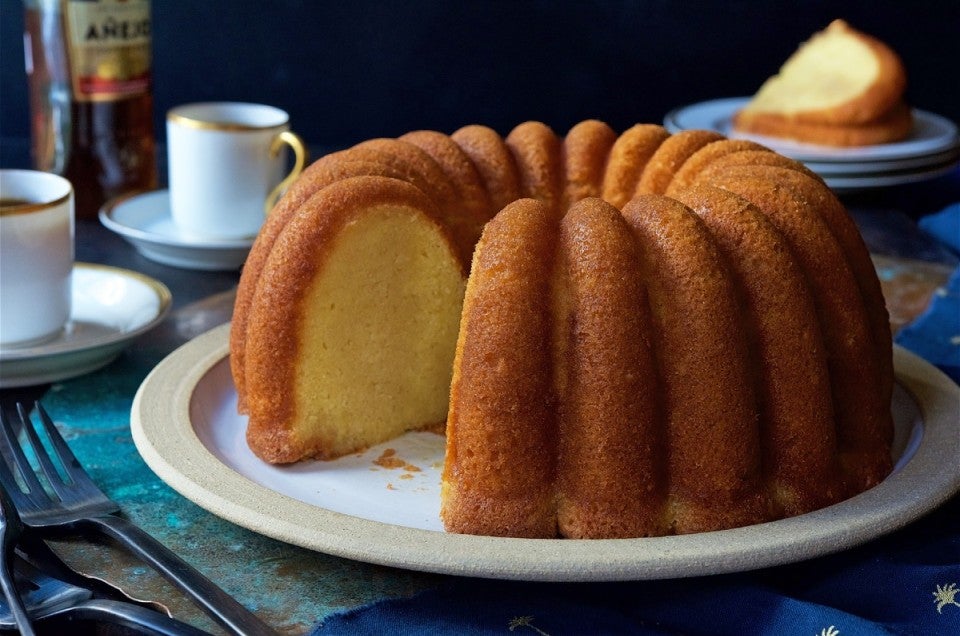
698 341
428 175
609 416
493 160
536 149
686 175
797 436
501 398
864 425
722 164
585 151
402 158
670 156
462 173
821 199
629 156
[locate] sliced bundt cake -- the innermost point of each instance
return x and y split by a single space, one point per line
622 362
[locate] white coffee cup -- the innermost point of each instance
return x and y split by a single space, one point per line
226 166
36 256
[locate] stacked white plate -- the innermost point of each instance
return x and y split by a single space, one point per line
931 150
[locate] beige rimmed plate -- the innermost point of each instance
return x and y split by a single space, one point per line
380 506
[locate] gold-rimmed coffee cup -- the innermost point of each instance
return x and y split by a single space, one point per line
227 165
36 256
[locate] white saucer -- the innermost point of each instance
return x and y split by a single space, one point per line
932 134
144 220
111 307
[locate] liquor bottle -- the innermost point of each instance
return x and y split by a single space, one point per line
91 103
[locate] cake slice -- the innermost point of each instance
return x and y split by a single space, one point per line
351 335
894 125
841 88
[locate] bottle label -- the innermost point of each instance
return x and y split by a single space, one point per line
109 48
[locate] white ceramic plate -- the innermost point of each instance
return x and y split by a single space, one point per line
932 134
881 168
111 307
857 182
185 426
144 220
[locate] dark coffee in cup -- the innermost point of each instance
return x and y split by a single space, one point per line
10 202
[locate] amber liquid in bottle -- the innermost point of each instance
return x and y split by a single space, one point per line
102 143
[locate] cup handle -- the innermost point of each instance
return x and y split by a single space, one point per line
300 160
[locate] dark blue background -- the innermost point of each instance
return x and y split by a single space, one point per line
351 70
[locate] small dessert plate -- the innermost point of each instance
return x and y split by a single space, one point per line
932 134
932 149
110 307
144 220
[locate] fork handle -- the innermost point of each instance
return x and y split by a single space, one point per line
127 615
214 601
20 617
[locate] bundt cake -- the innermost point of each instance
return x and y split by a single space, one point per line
841 88
659 334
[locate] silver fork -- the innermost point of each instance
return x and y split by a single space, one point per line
33 549
77 506
11 531
48 598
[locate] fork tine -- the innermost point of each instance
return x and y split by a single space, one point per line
10 487
71 464
53 477
16 452
80 481
21 501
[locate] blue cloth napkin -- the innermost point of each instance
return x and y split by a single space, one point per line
944 226
935 334
905 583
